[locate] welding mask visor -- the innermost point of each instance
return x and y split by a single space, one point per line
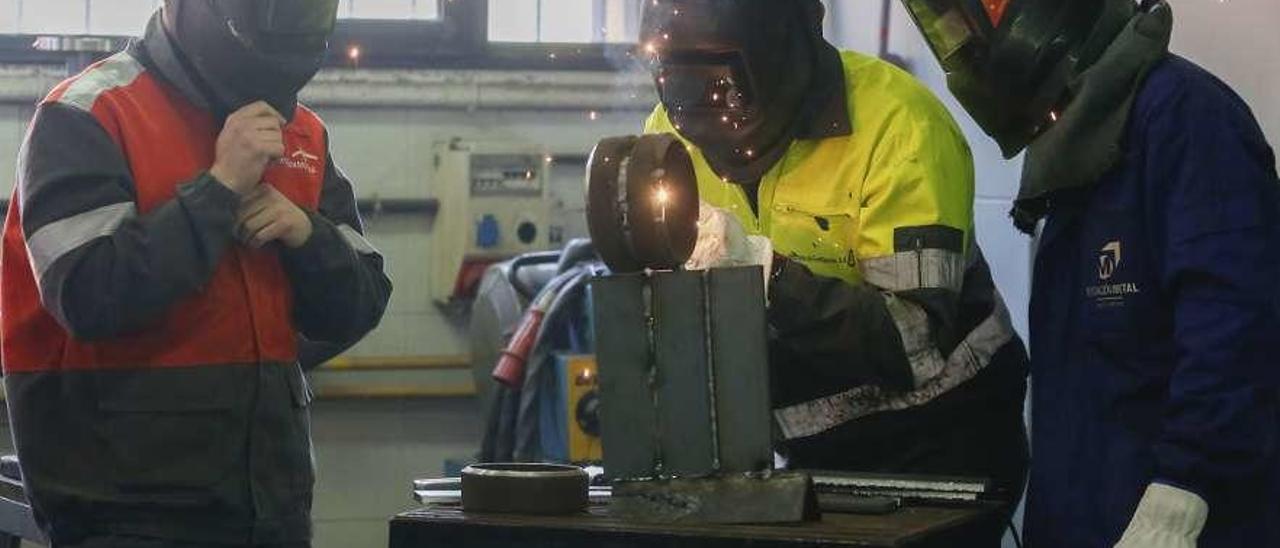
1010 62
731 75
255 50
294 26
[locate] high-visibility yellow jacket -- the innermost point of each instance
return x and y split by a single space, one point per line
893 306
905 165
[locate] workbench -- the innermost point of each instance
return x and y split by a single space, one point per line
911 527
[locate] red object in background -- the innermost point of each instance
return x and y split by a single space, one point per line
469 277
995 10
510 369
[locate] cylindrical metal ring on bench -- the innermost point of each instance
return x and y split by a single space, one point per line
532 489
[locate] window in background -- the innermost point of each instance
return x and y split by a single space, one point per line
619 21
8 17
120 17
567 21
98 17
52 16
390 9
564 21
129 17
513 20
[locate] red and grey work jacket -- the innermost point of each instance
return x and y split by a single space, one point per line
150 357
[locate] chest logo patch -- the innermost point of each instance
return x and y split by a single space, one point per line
1109 261
301 160
1109 293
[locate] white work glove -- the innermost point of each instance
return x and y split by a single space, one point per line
1167 517
723 242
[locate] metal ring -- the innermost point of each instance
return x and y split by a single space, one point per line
525 471
642 202
606 212
534 489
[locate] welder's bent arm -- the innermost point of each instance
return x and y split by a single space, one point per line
103 268
895 328
340 288
860 333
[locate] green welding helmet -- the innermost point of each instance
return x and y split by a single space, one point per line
1010 62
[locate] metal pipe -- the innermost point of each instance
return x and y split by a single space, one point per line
446 89
478 89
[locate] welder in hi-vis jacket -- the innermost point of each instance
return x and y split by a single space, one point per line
890 349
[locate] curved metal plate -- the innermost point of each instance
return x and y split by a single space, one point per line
642 206
606 203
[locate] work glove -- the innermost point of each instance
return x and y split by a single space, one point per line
723 242
1167 517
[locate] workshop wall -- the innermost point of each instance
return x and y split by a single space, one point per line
387 153
1237 40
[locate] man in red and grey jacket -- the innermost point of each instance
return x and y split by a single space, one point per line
178 222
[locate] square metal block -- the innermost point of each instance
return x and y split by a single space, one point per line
740 365
628 418
683 373
684 390
740 498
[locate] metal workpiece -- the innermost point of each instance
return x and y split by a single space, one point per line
628 417
683 389
737 331
528 489
683 374
642 202
738 498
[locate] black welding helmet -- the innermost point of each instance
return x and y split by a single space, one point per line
1009 62
255 50
733 74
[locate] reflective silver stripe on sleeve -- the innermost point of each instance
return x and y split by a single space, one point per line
357 241
54 240
923 269
117 71
917 340
973 354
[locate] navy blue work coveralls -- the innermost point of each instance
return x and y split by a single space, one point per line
1155 338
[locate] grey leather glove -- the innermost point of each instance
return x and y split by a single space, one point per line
1167 517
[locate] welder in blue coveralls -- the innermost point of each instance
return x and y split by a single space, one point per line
1154 324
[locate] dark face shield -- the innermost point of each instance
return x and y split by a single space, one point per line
294 26
960 33
705 68
731 75
255 50
708 82
946 27
1010 62
710 96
